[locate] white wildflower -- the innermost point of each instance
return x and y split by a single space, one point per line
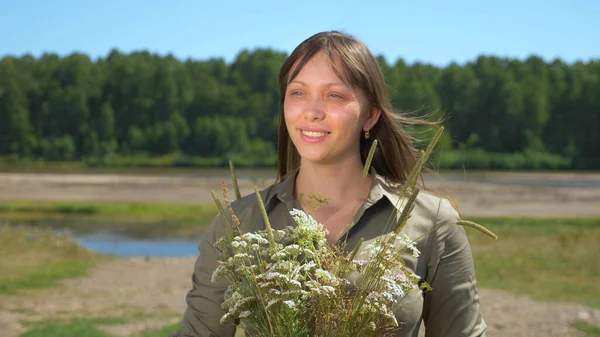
265 284
307 266
293 250
219 272
360 263
290 303
288 251
325 276
255 237
238 244
272 302
306 222
328 289
374 249
283 265
280 255
309 253
392 318
271 276
394 291
241 258
225 318
405 241
295 293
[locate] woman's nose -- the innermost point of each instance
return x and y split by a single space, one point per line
315 109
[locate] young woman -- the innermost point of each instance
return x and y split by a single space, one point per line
333 105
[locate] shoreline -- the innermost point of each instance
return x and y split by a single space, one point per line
474 198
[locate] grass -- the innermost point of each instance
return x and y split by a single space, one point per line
106 209
31 259
588 329
75 327
71 329
162 332
167 330
548 259
130 218
88 327
141 161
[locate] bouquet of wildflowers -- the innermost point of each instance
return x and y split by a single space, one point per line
291 282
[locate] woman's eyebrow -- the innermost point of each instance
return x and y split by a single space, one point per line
330 84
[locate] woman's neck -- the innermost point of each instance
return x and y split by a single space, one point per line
341 181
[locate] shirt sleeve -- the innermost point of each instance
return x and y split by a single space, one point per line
203 313
452 308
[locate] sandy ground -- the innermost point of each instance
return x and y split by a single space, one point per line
157 286
473 198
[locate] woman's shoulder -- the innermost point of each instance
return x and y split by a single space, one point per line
442 218
248 206
430 207
436 207
246 209
251 201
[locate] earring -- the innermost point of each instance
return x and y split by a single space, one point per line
367 134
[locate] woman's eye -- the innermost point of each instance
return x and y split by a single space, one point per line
336 96
296 93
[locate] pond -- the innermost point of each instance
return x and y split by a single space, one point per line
110 243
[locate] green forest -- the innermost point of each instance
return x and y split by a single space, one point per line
143 109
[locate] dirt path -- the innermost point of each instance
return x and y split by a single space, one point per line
157 286
121 288
474 198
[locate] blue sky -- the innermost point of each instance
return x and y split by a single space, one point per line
436 32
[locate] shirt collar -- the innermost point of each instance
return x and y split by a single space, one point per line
383 187
284 189
380 187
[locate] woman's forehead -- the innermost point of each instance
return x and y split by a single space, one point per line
334 61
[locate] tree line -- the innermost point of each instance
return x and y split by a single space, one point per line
142 108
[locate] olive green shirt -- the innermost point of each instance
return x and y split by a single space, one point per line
452 308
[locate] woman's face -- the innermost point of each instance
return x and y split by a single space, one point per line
324 116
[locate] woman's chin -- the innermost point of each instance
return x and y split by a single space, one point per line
313 156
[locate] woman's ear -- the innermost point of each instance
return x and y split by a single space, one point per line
372 119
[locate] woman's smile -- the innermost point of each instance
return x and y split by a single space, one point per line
313 135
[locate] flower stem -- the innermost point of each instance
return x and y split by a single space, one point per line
478 227
238 195
410 204
411 181
266 218
220 207
369 158
355 250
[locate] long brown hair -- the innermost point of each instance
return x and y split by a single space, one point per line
357 67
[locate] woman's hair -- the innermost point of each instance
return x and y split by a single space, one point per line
355 65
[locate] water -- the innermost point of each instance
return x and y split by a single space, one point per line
124 246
